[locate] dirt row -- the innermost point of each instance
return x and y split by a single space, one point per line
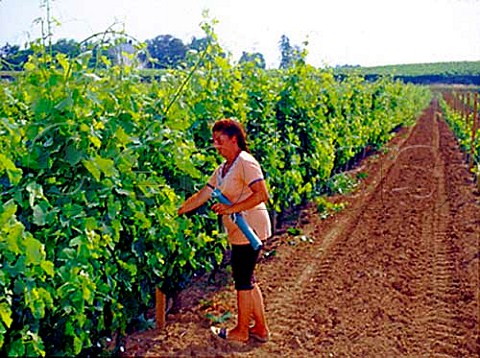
394 274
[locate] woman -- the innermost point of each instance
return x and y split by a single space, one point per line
241 180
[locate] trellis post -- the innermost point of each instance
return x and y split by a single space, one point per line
474 129
160 308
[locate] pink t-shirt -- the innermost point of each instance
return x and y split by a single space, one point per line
235 185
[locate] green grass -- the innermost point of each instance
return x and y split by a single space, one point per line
460 68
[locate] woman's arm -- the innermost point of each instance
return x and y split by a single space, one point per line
196 200
259 195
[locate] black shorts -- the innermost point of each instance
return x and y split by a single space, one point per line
243 260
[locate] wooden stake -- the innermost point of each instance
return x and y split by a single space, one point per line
467 108
462 104
160 308
474 129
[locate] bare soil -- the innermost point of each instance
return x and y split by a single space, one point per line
395 274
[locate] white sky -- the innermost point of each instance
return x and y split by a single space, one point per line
354 32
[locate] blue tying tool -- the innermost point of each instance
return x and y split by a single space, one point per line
239 220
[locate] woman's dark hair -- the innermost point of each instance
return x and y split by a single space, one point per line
232 128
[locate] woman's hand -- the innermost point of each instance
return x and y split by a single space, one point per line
195 201
181 211
222 209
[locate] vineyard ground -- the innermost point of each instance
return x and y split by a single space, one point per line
394 274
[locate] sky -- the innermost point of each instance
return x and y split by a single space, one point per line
339 32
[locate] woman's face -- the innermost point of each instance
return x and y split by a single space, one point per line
224 144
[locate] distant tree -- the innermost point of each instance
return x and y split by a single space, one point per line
255 57
290 54
168 51
12 58
68 47
199 45
8 50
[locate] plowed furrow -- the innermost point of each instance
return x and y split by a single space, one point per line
394 275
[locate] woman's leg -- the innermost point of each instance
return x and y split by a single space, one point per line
249 297
258 312
244 306
250 304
